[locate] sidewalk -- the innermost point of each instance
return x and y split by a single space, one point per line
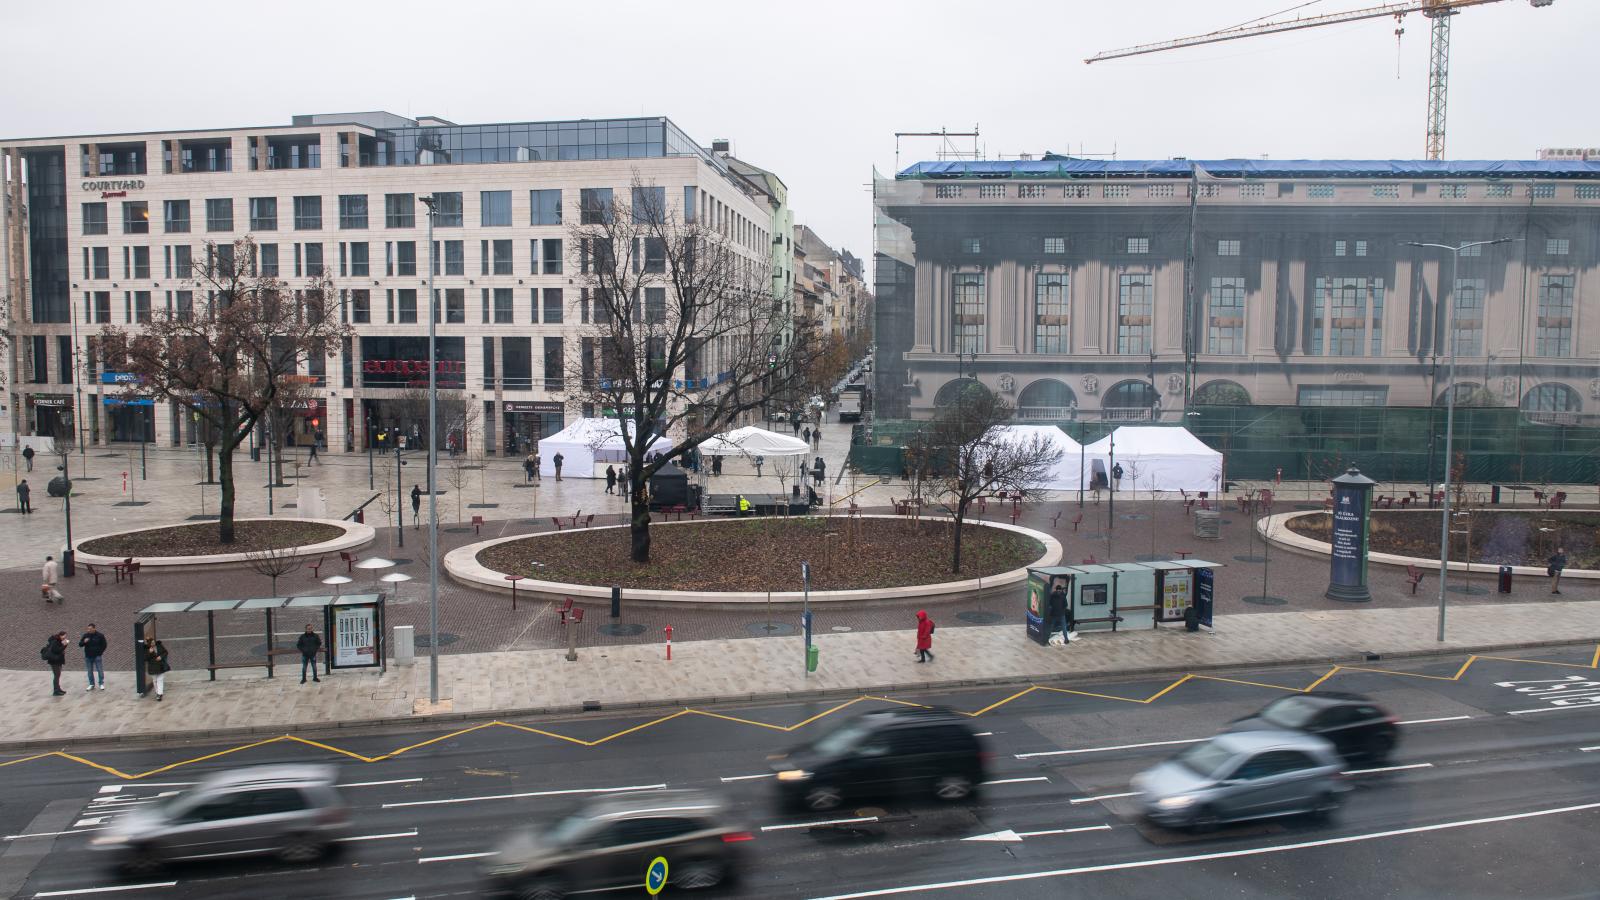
483 686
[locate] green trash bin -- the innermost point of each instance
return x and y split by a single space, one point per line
811 658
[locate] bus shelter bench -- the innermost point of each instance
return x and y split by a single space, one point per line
1114 620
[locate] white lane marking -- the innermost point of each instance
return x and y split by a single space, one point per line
612 790
379 837
376 783
1431 721
1206 857
819 824
107 890
18 837
1588 749
84 823
748 777
1016 780
1523 712
433 859
1107 749
1101 797
985 734
1386 769
1012 837
118 788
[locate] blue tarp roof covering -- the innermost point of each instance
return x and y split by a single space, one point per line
1063 167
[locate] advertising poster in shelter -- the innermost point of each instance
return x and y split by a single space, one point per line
1177 587
355 637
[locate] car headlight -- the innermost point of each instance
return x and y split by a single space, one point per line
1179 802
793 775
108 840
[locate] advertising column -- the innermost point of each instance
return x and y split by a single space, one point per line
1352 503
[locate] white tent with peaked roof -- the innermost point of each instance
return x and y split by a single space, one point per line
1065 473
1165 458
753 441
585 442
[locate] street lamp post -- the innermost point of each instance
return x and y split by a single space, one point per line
69 556
399 496
368 439
1449 408
433 461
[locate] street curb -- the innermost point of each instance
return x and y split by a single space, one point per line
665 704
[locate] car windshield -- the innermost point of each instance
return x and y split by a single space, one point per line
566 829
1205 759
1290 712
842 740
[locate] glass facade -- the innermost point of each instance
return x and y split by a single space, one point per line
47 235
432 145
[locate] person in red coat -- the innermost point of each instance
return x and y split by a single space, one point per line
924 637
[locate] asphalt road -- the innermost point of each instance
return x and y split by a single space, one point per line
1494 791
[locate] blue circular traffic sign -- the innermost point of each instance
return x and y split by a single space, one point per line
655 876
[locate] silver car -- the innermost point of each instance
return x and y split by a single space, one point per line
291 811
1243 775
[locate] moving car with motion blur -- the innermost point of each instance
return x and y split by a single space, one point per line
291 811
1357 727
608 843
1245 775
931 752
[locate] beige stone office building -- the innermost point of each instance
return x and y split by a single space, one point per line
103 229
1132 290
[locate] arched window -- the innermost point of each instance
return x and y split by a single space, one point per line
1130 395
1468 393
954 389
1221 393
1046 398
1552 397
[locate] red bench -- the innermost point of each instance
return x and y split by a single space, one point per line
1076 521
477 523
1413 577
350 560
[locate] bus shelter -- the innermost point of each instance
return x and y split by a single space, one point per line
352 631
1109 596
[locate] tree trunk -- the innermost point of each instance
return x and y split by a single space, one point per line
640 525
225 509
211 474
961 516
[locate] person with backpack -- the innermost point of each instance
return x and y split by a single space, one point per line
155 662
54 652
1556 565
924 637
94 649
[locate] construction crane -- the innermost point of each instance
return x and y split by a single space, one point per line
1438 11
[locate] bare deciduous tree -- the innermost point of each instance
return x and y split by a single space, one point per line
683 334
274 562
229 358
977 459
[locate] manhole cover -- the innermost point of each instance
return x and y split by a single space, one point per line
445 639
1265 601
763 629
1250 558
979 617
620 629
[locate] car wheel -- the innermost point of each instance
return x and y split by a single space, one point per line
700 873
1325 807
141 861
1205 820
952 788
1379 748
300 850
541 889
822 799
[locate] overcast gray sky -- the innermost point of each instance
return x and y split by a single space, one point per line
816 90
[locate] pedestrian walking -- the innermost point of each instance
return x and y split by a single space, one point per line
557 460
1558 561
759 461
22 496
816 435
49 575
308 645
819 471
536 472
27 457
808 434
416 506
94 648
54 652
312 456
1116 477
611 479
529 466
796 423
716 465
924 637
155 662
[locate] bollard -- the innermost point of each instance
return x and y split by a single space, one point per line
669 643
616 601
573 620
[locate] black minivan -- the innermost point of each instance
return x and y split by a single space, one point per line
929 751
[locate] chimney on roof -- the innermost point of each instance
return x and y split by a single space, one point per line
721 145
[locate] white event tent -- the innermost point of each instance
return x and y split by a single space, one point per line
753 441
1168 459
584 443
1064 475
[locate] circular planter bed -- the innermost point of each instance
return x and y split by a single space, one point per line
740 560
191 545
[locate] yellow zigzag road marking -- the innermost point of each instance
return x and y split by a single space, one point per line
1594 663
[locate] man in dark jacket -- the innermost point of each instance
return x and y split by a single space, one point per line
22 496
308 645
557 460
1558 563
55 653
94 647
416 507
27 456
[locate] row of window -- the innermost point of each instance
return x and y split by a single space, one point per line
1140 245
1248 190
498 306
1345 317
495 257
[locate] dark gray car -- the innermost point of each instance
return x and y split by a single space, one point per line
1243 775
291 811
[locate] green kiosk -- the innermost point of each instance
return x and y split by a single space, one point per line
1105 597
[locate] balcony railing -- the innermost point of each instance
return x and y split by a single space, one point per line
1123 414
1047 413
